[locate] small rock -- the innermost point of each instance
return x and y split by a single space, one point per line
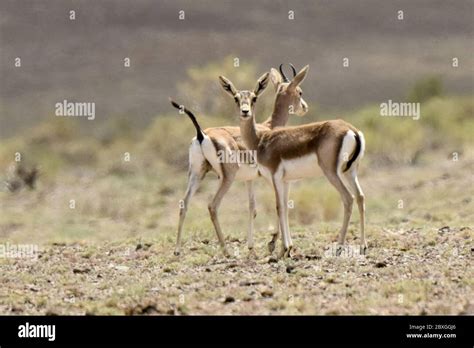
122 268
205 241
444 229
289 269
150 309
272 260
229 299
145 246
208 270
313 257
250 283
79 271
381 264
267 293
232 265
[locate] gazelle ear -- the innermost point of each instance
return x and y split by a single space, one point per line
262 83
276 78
299 77
227 85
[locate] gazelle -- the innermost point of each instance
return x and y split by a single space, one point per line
204 157
291 153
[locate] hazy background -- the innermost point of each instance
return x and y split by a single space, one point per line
82 60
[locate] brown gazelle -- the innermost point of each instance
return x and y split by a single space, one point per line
204 156
291 153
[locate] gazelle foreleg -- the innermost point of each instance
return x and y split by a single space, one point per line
252 214
286 195
353 182
277 230
271 244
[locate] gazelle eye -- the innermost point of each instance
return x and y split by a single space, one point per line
236 99
301 93
254 99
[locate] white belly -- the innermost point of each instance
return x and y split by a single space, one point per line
299 168
247 172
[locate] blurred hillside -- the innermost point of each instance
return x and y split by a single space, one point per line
82 60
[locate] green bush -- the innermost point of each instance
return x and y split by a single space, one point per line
426 89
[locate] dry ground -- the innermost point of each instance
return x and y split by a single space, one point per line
419 260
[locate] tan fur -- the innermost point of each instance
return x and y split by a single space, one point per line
322 138
230 138
277 146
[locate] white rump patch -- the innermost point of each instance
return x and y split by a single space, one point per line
210 152
347 149
362 146
196 157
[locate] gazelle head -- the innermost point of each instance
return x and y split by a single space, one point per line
289 92
244 99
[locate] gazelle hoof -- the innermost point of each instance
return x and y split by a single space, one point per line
177 252
252 254
285 252
226 253
363 249
339 249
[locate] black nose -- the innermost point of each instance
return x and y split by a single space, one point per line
245 112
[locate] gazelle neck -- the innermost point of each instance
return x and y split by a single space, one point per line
248 130
280 114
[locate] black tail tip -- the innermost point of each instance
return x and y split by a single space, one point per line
175 104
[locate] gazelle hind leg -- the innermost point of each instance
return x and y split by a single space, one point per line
347 201
252 214
282 207
353 182
224 186
194 179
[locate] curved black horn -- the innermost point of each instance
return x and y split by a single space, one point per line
285 79
294 70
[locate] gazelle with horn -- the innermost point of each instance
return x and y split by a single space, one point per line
209 143
333 147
